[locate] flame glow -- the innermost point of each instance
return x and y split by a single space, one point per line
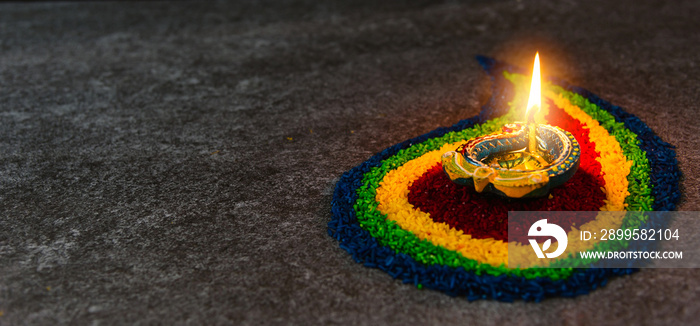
535 98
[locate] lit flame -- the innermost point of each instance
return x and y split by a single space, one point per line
535 99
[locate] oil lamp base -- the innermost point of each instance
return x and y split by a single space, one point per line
502 163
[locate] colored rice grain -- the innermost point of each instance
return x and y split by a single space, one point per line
428 233
392 200
653 183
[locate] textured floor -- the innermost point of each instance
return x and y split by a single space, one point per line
165 163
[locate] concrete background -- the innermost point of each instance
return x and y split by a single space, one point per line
174 162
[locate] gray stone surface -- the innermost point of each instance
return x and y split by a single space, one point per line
174 162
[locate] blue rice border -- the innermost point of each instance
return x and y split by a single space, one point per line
364 248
